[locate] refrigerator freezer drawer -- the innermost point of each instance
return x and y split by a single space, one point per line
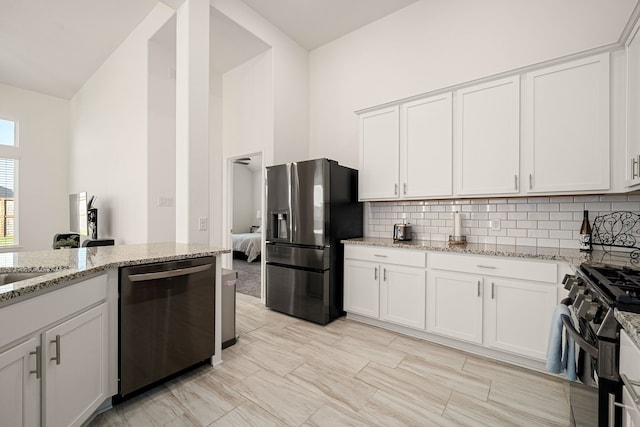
317 259
299 293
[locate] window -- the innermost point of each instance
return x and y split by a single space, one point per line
8 165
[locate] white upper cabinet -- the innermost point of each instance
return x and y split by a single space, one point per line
426 146
379 154
566 127
632 155
487 138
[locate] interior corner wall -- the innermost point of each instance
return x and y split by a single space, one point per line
109 135
43 171
216 161
289 77
247 107
439 43
242 199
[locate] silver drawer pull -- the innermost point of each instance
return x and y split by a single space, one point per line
486 266
379 256
57 343
38 354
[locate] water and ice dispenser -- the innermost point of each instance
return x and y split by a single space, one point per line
279 226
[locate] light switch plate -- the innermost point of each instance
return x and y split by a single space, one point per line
202 223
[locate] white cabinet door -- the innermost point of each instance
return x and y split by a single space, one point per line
402 295
632 157
567 126
379 154
361 288
454 305
20 385
518 316
426 147
75 360
488 138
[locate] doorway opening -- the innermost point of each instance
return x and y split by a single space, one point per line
247 241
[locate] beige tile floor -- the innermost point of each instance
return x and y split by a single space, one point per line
287 372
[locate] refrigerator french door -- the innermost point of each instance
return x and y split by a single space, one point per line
311 206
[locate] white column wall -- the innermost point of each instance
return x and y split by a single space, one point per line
192 121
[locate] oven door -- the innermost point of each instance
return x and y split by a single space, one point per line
589 398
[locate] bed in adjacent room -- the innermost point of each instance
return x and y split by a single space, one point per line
248 244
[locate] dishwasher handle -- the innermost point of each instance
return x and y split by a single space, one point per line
143 277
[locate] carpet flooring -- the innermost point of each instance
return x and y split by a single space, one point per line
248 282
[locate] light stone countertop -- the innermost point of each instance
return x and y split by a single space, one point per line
571 256
63 265
631 323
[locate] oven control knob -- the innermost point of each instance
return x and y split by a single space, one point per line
579 296
577 289
583 305
570 281
592 311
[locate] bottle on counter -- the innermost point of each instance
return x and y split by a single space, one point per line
585 234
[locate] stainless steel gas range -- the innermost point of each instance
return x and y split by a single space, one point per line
594 292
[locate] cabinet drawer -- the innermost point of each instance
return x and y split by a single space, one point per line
408 257
26 317
494 266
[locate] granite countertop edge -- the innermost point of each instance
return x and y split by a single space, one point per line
62 266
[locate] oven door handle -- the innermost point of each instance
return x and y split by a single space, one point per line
566 321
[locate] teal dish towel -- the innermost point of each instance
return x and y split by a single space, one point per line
558 360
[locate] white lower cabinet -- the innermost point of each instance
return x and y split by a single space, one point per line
486 302
393 290
57 372
361 288
76 368
20 384
518 316
454 305
402 295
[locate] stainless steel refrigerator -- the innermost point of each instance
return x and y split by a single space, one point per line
311 206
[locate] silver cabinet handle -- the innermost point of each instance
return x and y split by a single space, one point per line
491 267
632 391
634 168
479 286
516 180
384 274
493 290
375 273
405 187
38 354
530 181
169 273
379 256
395 189
57 343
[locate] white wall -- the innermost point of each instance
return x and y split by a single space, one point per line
43 127
161 159
438 43
289 77
109 135
247 107
256 182
215 161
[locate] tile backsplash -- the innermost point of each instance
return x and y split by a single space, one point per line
534 221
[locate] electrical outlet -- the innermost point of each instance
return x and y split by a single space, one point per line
202 223
495 224
165 201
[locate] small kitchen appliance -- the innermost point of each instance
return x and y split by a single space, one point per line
401 232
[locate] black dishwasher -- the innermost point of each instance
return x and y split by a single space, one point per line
166 320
